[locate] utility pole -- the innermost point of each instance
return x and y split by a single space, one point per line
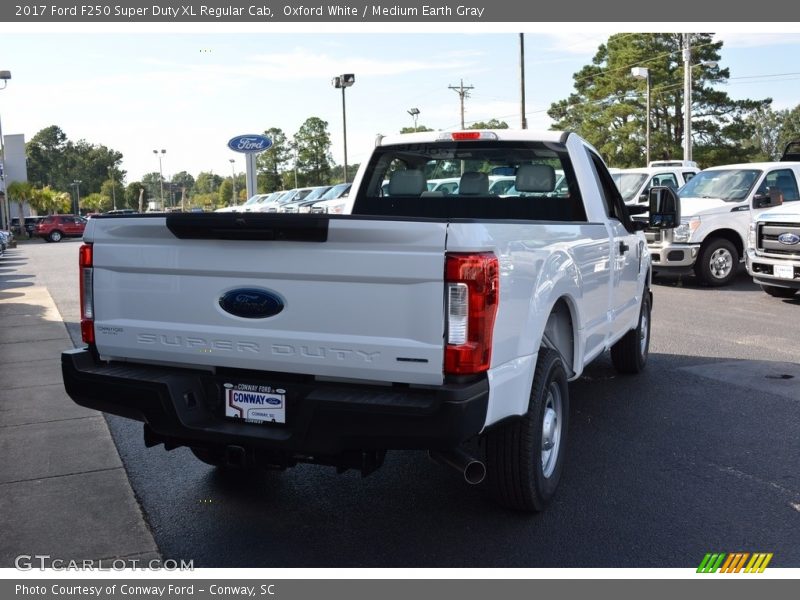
463 92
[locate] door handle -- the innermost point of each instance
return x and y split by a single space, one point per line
623 247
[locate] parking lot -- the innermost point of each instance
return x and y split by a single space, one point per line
700 453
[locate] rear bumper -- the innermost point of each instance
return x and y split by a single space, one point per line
184 407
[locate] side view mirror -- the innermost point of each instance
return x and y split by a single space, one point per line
644 198
773 198
665 208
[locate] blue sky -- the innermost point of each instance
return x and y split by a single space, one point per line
189 91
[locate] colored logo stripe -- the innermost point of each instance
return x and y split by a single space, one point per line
758 563
734 563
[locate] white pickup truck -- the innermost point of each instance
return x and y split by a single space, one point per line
419 321
635 184
717 206
773 251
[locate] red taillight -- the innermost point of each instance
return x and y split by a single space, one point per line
466 135
86 263
472 288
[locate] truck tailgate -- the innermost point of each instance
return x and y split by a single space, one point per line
364 303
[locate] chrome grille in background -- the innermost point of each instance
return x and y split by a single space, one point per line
768 238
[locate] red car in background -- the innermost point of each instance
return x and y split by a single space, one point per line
55 227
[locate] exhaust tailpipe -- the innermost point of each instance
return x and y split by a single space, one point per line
473 470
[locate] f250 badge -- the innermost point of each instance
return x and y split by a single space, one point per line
251 303
789 239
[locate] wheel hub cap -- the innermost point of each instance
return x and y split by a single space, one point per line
721 263
551 430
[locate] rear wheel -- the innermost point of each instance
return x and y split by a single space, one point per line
55 236
716 265
779 292
524 457
630 353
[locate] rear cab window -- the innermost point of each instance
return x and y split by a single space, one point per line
532 181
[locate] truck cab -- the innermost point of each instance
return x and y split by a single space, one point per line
635 184
717 206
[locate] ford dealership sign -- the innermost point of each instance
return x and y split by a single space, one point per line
250 144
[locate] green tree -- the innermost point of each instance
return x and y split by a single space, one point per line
337 172
490 124
95 202
20 192
46 155
205 201
132 194
313 144
153 184
413 130
270 164
56 161
225 193
114 191
773 130
608 105
182 179
207 183
49 201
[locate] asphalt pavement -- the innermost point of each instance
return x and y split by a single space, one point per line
697 454
63 490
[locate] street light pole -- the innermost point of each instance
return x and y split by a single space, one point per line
77 184
113 191
414 112
644 73
344 81
233 180
687 97
161 174
4 209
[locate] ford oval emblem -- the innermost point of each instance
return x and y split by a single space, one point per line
251 303
789 239
250 144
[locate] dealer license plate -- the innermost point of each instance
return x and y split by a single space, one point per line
783 271
255 403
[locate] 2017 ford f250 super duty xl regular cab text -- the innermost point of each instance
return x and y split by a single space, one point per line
419 321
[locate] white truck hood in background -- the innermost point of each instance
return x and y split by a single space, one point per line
786 212
378 315
692 207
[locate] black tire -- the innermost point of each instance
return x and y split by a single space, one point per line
521 474
779 292
55 236
718 262
629 354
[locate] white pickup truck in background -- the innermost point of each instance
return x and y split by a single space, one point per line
773 245
717 207
420 321
635 184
